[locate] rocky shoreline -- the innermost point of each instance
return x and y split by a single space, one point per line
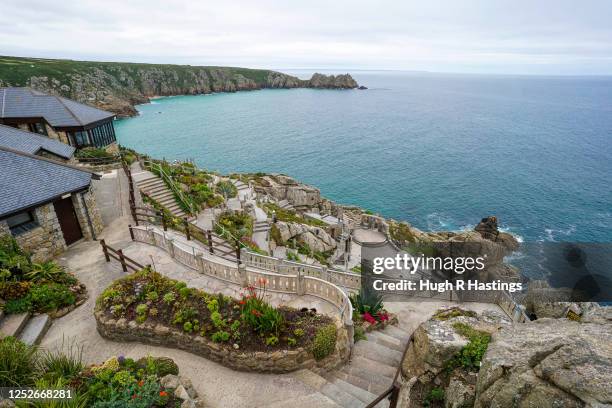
118 87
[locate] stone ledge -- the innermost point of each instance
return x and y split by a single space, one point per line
279 361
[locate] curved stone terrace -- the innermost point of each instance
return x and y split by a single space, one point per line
219 386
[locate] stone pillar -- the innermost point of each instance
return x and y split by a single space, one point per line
300 284
244 280
151 234
170 244
200 261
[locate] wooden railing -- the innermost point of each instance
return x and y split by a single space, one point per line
144 216
127 263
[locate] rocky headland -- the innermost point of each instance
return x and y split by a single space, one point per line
117 87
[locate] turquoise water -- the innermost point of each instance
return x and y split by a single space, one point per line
440 151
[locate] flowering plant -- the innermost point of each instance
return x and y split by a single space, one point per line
259 314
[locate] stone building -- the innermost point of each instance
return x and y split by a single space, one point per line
45 204
58 118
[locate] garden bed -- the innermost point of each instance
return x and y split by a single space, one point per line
118 382
26 286
245 334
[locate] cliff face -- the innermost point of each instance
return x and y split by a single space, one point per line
117 87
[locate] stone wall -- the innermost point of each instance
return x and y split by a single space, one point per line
57 135
45 241
281 361
94 214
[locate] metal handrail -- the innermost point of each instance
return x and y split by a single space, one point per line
171 183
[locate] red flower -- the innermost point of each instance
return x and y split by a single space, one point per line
140 383
256 312
163 394
242 302
383 317
369 318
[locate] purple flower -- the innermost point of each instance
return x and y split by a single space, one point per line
121 359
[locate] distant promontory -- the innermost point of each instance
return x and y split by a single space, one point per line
118 86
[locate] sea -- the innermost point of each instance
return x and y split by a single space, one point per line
440 151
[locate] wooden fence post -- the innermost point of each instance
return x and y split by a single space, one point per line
105 250
122 260
210 241
238 251
131 231
186 223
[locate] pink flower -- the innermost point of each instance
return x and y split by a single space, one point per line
369 318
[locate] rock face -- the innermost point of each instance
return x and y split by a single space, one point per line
316 238
434 343
281 187
117 87
548 363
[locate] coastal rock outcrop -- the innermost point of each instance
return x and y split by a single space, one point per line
548 363
117 87
434 344
281 187
316 238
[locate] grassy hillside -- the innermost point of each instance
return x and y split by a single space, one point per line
118 86
17 71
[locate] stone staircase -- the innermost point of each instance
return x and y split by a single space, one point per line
261 226
240 185
368 374
25 327
286 205
155 188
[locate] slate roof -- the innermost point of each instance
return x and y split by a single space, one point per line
32 143
57 111
28 181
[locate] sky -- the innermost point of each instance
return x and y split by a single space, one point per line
544 37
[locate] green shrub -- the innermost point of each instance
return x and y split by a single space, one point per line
226 189
436 394
260 315
14 290
470 356
275 236
272 341
298 332
16 306
49 271
220 336
359 334
65 365
51 296
165 366
18 363
367 301
238 224
324 342
152 296
169 298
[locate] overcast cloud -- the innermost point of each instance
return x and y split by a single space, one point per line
491 36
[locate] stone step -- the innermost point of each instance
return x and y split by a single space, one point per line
147 181
13 324
398 333
315 400
155 190
355 390
152 186
361 364
377 352
365 379
35 329
330 390
386 340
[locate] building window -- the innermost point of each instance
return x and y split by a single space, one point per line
38 128
22 222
